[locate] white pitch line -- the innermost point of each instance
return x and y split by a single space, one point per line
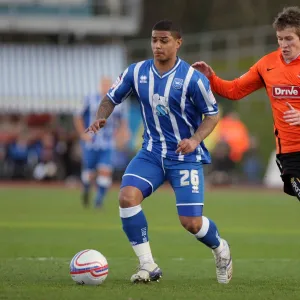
67 260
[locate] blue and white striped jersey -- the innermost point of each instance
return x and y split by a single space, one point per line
172 105
104 139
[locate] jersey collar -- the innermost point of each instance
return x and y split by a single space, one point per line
167 73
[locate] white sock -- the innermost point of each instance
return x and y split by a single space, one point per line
143 252
220 248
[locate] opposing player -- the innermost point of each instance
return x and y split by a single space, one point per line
173 98
279 73
97 150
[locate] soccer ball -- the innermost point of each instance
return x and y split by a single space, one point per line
89 267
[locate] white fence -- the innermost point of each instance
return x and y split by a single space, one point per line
56 78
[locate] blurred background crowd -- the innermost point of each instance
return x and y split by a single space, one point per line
54 53
47 147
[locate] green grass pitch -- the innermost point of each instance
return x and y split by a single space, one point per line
42 228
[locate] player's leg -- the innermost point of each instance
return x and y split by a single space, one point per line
104 175
187 181
295 183
87 173
289 166
143 176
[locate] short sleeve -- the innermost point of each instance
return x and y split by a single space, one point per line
203 97
122 88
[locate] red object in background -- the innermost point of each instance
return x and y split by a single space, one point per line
39 119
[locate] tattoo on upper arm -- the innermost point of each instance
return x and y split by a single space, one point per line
105 109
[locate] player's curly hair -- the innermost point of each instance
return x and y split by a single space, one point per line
289 17
168 25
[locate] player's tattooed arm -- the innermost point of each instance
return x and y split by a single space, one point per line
206 127
105 109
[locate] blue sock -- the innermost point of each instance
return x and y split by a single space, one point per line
208 234
86 187
103 183
101 192
134 224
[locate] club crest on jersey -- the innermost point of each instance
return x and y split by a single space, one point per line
177 83
161 105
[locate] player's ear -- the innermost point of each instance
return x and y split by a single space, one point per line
178 43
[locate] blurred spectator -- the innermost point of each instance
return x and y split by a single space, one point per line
39 120
10 128
222 167
234 132
47 167
18 153
68 149
252 164
39 123
46 147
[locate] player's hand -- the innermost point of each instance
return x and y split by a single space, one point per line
291 116
86 137
186 146
203 67
96 126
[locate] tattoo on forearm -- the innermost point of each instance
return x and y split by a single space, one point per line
206 127
105 109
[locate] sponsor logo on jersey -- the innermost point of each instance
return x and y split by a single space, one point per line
195 189
143 79
286 91
161 105
269 69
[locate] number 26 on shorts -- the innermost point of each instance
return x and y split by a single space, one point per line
189 177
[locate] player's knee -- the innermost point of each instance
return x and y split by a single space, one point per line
86 177
130 196
104 181
191 224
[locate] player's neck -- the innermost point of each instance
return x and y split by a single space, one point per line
165 66
290 60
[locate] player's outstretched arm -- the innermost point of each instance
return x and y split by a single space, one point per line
234 89
105 109
186 146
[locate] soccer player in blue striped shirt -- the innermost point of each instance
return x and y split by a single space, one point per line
179 111
97 150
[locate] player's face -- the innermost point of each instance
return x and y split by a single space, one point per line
164 45
289 42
